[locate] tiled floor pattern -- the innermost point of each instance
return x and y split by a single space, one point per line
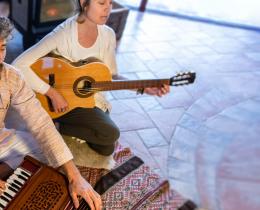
233 11
187 135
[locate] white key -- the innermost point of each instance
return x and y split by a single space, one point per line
15 177
10 192
20 169
20 174
7 198
10 182
4 203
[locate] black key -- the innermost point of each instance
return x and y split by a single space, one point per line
12 189
17 182
25 174
8 195
15 186
2 206
21 177
4 198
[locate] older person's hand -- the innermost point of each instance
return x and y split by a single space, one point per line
78 186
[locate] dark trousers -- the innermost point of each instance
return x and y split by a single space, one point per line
92 125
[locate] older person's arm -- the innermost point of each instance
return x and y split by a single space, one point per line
55 150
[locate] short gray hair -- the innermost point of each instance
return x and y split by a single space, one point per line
6 28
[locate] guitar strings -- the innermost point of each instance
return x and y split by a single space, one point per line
80 89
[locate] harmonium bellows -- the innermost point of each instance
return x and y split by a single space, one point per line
35 186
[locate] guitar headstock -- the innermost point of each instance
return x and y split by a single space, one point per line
183 78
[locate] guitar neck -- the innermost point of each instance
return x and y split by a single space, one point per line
129 84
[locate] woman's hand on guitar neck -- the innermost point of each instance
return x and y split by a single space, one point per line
157 91
58 101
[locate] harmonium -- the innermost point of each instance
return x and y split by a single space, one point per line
36 186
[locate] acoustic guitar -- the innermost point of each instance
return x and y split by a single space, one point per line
79 81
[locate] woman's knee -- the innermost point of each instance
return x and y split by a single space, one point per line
111 135
116 133
103 150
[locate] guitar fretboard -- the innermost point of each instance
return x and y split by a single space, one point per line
133 84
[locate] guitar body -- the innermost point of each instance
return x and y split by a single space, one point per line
67 76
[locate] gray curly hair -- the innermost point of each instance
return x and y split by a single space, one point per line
6 28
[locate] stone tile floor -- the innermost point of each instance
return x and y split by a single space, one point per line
203 138
242 12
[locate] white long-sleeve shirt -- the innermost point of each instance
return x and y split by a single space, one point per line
63 40
14 92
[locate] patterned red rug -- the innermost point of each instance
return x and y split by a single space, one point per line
132 185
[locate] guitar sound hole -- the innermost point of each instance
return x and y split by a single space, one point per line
83 87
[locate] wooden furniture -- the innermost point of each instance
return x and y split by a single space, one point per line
117 19
34 185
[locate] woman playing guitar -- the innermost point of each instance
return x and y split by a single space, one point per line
79 37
